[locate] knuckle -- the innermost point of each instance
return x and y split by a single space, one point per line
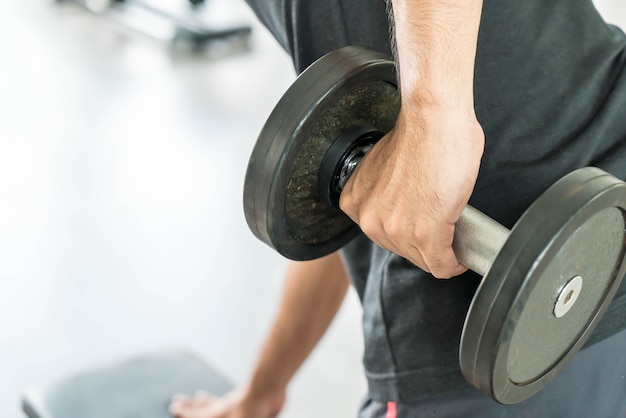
440 274
420 239
440 269
370 224
347 204
394 228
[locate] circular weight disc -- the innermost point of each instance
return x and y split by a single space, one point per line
282 203
513 344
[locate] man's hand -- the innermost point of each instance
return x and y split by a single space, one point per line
311 297
237 404
410 189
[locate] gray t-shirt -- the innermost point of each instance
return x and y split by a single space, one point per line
550 94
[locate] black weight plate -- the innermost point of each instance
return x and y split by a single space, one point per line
282 202
512 343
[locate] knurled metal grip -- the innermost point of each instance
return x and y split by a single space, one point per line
477 240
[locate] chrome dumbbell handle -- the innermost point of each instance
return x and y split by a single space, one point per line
477 240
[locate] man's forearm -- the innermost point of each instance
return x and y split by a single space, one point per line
311 297
435 42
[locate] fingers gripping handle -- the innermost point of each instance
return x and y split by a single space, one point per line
477 237
477 240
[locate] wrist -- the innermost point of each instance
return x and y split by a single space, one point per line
257 401
440 123
432 113
261 391
438 95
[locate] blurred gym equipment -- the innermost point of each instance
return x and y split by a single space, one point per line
138 387
182 24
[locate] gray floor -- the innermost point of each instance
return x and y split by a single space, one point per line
121 225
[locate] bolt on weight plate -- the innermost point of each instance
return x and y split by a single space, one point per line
567 297
513 344
282 201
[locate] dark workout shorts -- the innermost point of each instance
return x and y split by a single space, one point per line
550 94
593 384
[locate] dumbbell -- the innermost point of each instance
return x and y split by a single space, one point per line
546 282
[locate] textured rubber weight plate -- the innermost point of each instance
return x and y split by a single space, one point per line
282 203
513 344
